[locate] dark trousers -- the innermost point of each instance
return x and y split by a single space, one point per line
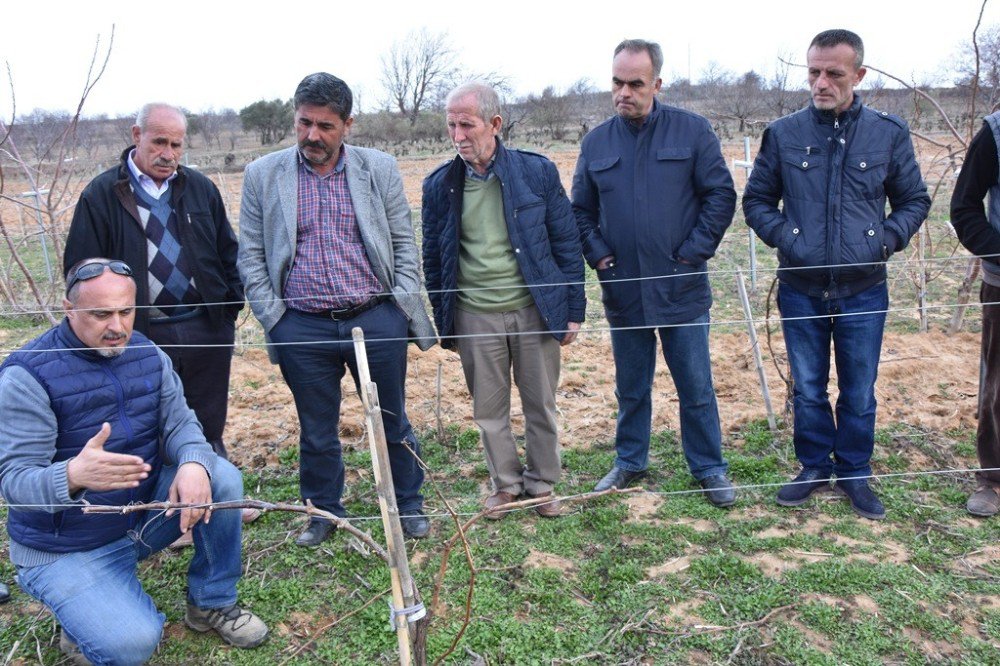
313 352
988 435
204 370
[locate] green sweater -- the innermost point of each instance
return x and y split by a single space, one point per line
489 279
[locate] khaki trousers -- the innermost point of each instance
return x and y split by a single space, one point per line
501 342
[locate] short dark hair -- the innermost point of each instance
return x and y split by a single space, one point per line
639 45
830 38
322 89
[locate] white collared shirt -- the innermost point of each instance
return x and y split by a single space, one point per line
148 184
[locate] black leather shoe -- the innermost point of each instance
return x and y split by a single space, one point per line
415 524
4 593
618 478
317 532
800 489
719 490
863 500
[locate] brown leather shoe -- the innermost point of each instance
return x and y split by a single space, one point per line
495 500
550 509
248 515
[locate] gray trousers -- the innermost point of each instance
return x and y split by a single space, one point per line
520 341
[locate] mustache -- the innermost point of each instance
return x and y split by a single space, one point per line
159 161
314 144
113 337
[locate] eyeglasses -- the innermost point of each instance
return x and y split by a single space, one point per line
92 269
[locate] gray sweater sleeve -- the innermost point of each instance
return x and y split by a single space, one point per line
27 444
28 432
180 432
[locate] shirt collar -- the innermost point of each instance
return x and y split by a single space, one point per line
145 181
470 171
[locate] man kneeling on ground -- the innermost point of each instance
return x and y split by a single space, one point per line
90 412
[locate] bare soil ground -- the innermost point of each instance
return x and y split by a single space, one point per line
927 381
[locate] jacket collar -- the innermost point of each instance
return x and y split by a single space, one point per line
828 117
68 338
632 127
456 172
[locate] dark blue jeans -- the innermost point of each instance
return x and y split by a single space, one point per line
855 325
685 349
313 372
97 598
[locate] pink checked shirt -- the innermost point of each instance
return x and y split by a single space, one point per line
331 268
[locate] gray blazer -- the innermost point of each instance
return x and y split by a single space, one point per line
269 224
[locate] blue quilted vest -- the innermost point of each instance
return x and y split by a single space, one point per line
85 390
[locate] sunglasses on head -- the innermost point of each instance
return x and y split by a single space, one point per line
92 269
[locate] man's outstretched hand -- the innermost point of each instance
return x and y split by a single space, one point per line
96 469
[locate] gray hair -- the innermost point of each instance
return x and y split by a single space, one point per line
142 119
651 48
487 100
830 38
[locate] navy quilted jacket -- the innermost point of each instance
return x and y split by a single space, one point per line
85 390
541 228
659 198
833 176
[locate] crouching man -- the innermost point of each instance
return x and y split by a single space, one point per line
90 412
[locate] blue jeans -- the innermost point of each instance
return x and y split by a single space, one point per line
97 598
685 349
313 372
855 326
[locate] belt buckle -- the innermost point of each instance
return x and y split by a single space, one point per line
342 314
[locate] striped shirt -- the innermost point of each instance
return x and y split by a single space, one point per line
331 268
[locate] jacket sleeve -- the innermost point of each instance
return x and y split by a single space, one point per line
980 171
587 210
228 248
907 194
430 220
564 239
762 194
714 186
88 232
28 432
181 433
267 306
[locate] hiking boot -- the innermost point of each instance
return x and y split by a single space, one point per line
238 627
719 490
863 500
985 502
71 650
799 489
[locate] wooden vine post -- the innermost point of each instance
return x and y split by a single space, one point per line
403 590
741 286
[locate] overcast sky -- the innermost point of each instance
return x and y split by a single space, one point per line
213 54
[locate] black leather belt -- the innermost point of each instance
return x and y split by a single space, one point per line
343 314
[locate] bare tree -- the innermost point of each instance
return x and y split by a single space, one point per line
415 68
53 180
551 112
743 100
